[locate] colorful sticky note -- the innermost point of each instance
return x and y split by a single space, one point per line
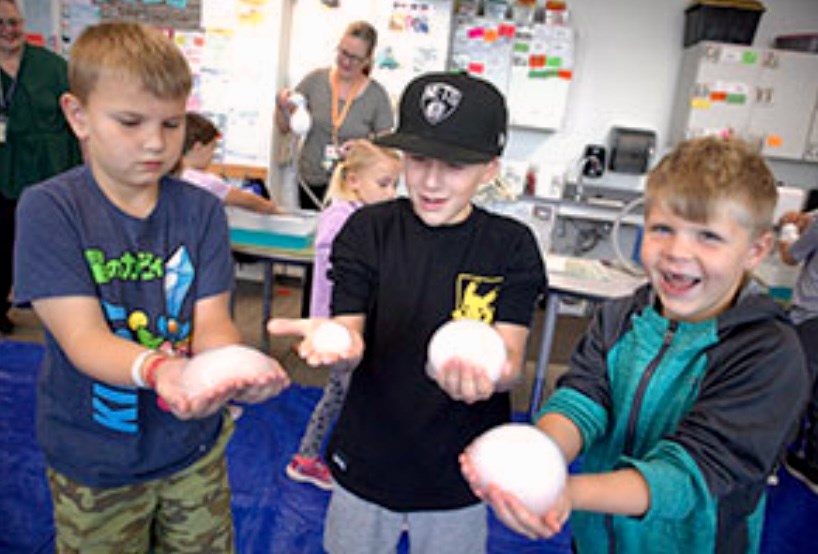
699 103
506 30
490 35
718 96
736 99
476 67
775 141
521 47
555 61
749 57
475 32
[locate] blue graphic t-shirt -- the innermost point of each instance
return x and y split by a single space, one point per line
147 274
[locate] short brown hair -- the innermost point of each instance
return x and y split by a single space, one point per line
367 33
198 129
128 50
701 173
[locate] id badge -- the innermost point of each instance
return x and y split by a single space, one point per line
331 156
3 125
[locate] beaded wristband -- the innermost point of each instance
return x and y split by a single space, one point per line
153 366
136 368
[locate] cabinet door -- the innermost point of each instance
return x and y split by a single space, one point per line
716 84
785 97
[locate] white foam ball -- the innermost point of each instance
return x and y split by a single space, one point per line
219 365
522 460
300 121
474 341
789 232
331 337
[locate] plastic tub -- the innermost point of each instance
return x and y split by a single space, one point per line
722 21
290 231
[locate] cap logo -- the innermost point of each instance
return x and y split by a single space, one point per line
439 101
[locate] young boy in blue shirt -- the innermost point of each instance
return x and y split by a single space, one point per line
681 397
400 270
130 273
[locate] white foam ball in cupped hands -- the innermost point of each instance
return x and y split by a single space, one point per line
331 337
216 366
522 460
469 339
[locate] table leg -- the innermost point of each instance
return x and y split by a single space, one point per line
548 329
267 303
306 293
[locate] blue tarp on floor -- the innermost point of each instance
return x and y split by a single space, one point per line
272 514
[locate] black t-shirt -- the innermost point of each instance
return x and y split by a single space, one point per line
399 435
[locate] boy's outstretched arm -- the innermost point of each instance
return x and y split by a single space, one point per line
623 491
79 327
305 328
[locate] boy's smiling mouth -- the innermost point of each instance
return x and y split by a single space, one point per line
678 283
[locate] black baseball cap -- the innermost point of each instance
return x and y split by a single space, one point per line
454 117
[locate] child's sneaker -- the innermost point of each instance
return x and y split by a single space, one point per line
310 470
802 470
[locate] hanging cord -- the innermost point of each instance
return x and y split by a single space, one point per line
626 264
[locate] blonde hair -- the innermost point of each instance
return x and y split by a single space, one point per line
128 50
697 178
360 154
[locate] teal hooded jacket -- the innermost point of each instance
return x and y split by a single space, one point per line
702 410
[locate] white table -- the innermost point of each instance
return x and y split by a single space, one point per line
581 278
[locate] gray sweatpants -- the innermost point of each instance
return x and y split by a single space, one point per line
354 525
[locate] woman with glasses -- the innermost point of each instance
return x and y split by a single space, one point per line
35 141
345 103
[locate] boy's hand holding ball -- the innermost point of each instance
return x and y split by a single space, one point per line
466 358
326 342
520 471
202 385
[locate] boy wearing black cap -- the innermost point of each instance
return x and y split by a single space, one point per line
401 269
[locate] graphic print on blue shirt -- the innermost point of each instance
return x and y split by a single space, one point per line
117 407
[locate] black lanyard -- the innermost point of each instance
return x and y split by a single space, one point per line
5 97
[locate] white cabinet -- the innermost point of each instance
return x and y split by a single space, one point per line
768 97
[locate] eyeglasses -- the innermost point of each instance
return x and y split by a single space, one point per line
10 22
351 57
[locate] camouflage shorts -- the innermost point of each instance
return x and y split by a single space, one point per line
188 511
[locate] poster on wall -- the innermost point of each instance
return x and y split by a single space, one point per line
175 14
531 62
413 38
227 45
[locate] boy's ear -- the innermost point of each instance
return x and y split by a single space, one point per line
491 171
75 114
760 248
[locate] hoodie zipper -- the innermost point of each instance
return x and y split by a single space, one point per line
633 416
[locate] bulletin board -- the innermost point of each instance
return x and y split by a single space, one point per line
227 45
530 62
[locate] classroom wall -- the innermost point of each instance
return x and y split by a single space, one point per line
627 59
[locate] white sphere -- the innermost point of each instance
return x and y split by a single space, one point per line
331 337
300 121
522 460
471 340
789 232
219 365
